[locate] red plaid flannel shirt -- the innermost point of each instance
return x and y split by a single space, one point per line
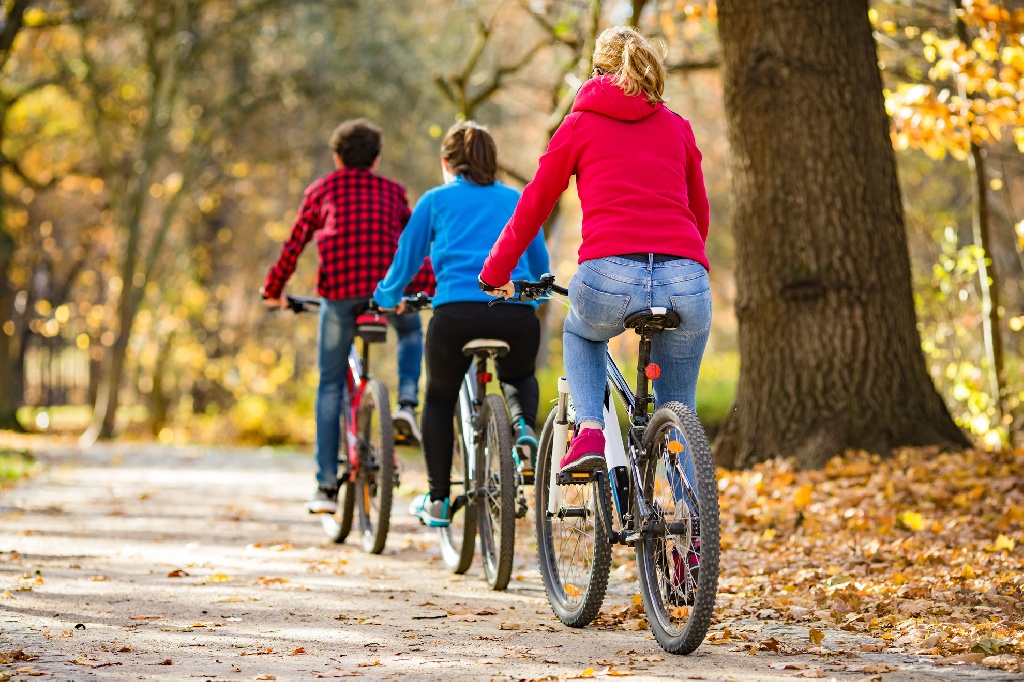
356 217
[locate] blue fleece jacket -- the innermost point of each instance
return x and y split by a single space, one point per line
456 224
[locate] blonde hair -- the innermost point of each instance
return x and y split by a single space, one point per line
637 65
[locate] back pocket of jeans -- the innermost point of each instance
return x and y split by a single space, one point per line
694 312
598 309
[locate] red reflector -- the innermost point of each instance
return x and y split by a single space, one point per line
483 377
652 371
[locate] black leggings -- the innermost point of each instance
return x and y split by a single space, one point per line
452 326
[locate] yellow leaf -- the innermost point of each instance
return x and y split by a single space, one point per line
218 578
967 571
589 672
572 590
637 600
911 520
816 636
1002 542
803 496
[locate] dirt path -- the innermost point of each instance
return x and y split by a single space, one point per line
137 561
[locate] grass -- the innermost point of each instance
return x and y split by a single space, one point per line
14 466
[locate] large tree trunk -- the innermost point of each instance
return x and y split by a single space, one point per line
831 356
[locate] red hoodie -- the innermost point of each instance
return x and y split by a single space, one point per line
638 175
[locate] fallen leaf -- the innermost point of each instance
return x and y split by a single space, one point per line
266 677
816 635
1002 542
368 665
961 659
298 651
177 573
146 617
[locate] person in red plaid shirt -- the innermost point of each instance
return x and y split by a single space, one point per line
356 217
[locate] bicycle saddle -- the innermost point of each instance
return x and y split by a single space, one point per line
652 320
493 347
371 328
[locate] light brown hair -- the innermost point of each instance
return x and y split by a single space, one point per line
637 65
470 152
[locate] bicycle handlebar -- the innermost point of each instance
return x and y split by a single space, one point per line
532 291
306 304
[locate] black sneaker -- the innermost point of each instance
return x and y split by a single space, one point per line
324 501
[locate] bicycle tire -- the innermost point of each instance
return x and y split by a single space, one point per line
375 479
679 607
578 605
496 492
458 539
338 525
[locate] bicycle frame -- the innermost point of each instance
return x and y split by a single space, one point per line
624 472
358 374
469 401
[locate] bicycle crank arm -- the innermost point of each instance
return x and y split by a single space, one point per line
614 537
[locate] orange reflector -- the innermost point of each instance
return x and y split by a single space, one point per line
675 446
652 371
582 475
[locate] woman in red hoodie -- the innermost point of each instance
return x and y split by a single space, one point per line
645 222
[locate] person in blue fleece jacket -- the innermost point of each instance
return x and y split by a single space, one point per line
456 224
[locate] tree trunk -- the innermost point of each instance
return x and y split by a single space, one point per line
8 390
830 353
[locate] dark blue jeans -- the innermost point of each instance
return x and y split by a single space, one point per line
337 332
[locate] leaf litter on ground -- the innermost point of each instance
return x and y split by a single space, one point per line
921 551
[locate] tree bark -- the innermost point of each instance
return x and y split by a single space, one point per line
8 394
830 353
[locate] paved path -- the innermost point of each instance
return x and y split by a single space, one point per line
136 561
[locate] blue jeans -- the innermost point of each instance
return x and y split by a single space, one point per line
602 294
337 332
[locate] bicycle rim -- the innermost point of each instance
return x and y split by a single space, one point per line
375 479
459 538
575 556
678 563
338 525
496 492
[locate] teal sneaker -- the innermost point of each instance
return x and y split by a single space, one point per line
430 513
525 451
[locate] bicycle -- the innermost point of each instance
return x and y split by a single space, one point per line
657 493
486 489
367 464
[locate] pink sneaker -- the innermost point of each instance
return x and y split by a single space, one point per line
586 452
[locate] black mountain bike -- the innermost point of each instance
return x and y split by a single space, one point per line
658 494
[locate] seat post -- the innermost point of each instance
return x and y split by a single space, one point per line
481 371
643 394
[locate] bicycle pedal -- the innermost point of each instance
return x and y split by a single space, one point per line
574 477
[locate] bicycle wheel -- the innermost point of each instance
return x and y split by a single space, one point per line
575 555
338 525
677 561
458 540
375 479
496 488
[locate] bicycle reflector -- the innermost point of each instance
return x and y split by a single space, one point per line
652 371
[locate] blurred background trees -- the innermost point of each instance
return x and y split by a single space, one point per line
154 153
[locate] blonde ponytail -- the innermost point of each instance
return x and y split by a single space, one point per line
637 65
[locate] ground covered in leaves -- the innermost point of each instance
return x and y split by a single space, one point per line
141 561
921 551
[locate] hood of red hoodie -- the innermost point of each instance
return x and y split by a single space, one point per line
601 95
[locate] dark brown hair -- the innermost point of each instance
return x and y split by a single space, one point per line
470 152
357 142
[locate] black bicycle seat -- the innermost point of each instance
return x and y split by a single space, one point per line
652 320
493 347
